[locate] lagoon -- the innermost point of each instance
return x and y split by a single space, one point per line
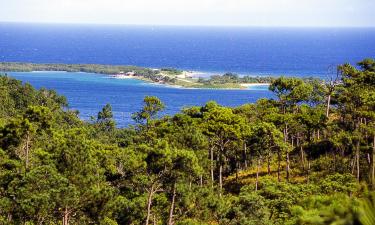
88 93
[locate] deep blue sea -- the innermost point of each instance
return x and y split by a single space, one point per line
256 51
248 51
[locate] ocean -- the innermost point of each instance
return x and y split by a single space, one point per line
253 51
301 52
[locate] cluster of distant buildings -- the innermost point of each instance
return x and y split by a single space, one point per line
132 74
122 74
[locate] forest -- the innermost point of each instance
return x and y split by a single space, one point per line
87 68
232 78
304 157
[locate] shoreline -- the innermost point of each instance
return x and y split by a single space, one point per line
254 84
244 86
169 77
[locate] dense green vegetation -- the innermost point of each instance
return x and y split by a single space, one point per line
171 71
232 78
88 68
305 157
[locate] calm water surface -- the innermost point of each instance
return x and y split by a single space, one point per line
90 92
260 51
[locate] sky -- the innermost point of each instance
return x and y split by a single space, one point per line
300 13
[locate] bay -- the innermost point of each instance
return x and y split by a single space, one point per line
88 93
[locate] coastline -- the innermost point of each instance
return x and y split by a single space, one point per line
169 77
244 87
254 84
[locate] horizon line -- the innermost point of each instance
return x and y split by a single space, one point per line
180 25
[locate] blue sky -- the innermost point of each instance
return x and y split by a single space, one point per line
327 13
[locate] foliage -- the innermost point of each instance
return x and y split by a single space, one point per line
277 161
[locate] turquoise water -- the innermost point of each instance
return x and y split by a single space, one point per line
88 93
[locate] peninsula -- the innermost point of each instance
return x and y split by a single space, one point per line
166 76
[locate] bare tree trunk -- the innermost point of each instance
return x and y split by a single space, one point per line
328 105
302 158
221 161
269 164
297 139
357 160
308 171
66 216
285 134
369 159
352 164
278 166
292 142
201 181
245 156
212 166
40 220
318 134
287 153
236 166
287 165
27 150
170 221
149 203
9 217
257 178
236 171
221 178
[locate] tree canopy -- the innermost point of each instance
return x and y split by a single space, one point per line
305 157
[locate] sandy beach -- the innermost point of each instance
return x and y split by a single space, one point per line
254 84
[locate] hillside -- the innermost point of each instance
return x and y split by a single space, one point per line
306 157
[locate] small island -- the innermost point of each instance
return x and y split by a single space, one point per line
166 76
